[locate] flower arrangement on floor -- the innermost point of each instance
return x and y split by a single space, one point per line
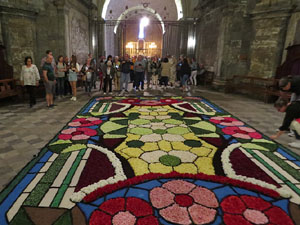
156 160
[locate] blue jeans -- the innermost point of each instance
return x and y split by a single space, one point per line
88 86
60 86
184 79
125 77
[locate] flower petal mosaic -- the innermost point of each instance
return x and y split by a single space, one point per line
152 161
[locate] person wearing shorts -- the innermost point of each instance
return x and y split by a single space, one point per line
49 81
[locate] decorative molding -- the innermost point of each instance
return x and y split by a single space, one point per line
30 12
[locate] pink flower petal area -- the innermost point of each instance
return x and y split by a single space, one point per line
176 214
247 129
74 124
124 218
202 215
255 216
179 186
204 197
242 136
233 123
80 137
161 197
69 131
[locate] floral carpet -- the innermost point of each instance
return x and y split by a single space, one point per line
156 160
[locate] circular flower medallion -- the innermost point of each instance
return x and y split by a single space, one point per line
242 132
247 210
76 134
85 122
226 121
182 202
124 211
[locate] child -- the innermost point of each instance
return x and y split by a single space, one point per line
89 83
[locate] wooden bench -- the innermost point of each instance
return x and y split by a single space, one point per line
206 79
256 86
8 88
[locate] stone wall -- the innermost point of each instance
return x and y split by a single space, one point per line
30 27
270 22
78 35
223 37
293 30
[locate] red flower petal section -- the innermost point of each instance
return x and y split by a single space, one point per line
112 206
278 216
149 220
138 207
233 204
100 218
184 200
255 203
230 219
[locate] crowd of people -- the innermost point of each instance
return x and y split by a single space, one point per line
114 74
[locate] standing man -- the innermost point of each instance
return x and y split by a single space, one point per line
139 69
48 53
49 80
125 74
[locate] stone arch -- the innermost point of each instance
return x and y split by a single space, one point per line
178 4
123 15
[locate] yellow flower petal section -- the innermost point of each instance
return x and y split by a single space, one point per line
160 168
205 165
201 151
177 145
132 137
186 168
139 166
150 146
165 145
132 152
121 146
191 136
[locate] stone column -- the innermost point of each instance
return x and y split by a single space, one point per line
270 26
101 36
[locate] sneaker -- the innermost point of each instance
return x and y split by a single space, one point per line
295 144
104 93
74 99
291 134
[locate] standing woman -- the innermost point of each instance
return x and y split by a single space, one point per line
108 74
30 79
194 67
61 68
165 72
185 73
74 69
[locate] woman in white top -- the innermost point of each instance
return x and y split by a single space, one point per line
30 79
73 71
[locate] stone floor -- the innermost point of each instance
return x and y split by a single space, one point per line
24 131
